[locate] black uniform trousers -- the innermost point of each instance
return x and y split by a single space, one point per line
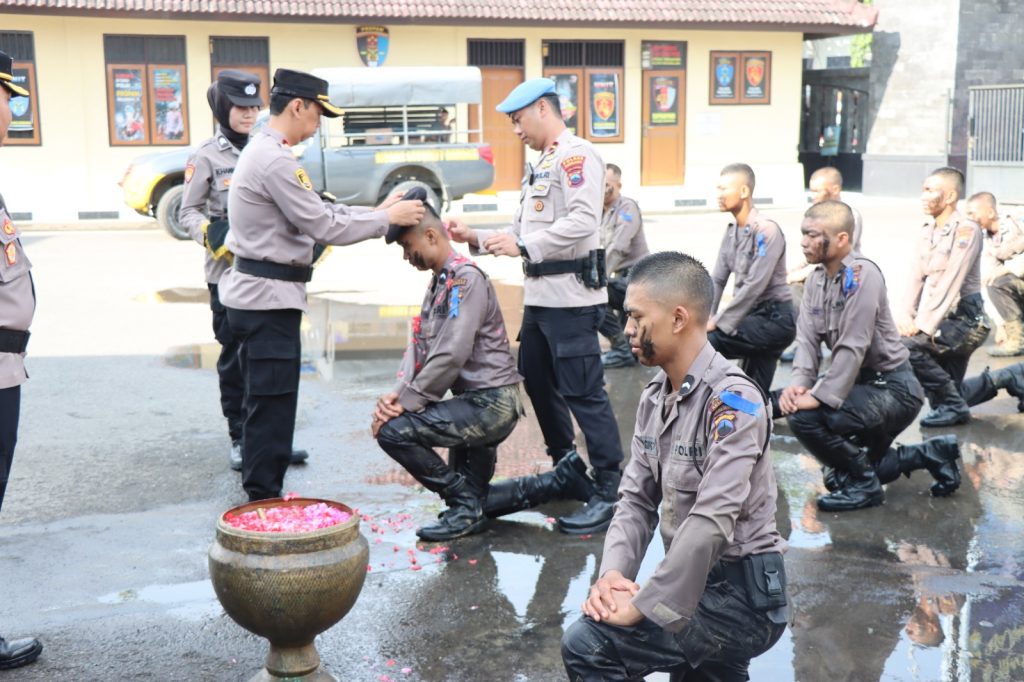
614 321
942 358
10 410
1007 294
878 408
715 646
229 369
759 340
470 425
560 358
270 350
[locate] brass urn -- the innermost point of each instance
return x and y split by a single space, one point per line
289 587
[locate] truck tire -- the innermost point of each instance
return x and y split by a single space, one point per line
409 177
167 212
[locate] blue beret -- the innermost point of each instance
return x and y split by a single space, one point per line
526 94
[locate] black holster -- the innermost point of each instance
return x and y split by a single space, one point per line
588 270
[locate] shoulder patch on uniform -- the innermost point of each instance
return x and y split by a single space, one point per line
761 250
190 170
625 215
573 167
8 225
851 282
738 402
963 236
303 179
723 425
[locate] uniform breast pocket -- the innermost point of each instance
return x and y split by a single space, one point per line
539 208
13 261
686 466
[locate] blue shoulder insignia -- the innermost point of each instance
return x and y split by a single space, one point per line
738 402
761 251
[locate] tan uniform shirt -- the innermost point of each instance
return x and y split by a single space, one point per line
559 219
622 235
17 296
850 313
947 267
207 179
1003 246
756 254
276 216
459 341
707 464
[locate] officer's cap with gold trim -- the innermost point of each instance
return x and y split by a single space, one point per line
7 77
306 86
242 89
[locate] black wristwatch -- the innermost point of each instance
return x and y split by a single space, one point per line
522 249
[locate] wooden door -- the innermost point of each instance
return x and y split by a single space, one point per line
508 149
663 143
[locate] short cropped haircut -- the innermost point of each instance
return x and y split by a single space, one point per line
951 175
616 171
279 102
741 169
987 198
553 102
836 216
675 278
832 175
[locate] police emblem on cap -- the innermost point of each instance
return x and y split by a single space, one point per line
250 89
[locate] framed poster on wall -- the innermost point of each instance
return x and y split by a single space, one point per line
126 88
605 105
25 129
567 86
168 104
664 101
724 73
757 73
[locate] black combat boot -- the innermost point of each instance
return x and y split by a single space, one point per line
979 389
567 481
949 408
938 455
19 652
834 479
1014 342
596 515
862 489
1012 379
464 516
620 354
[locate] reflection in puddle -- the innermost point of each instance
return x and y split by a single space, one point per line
517 578
193 601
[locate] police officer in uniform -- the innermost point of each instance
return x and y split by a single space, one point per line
17 306
276 221
1001 268
459 343
622 234
849 416
759 322
556 232
825 184
701 452
235 101
945 320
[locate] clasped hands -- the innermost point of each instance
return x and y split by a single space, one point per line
500 244
387 408
610 601
796 398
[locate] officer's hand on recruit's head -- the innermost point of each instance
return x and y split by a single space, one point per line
406 213
392 199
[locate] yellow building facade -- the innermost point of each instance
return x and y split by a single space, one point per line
73 171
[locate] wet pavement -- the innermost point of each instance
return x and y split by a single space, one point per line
121 472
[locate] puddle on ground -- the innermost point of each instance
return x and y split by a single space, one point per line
195 601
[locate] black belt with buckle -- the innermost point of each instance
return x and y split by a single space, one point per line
13 340
270 270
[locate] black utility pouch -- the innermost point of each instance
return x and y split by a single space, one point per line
765 577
